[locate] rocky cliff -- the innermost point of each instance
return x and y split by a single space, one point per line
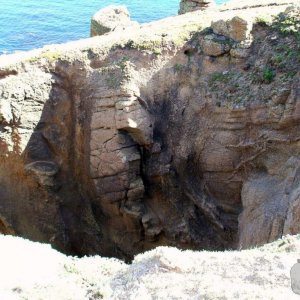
181 132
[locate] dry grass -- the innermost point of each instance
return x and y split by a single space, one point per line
36 271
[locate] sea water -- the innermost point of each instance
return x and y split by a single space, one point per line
29 24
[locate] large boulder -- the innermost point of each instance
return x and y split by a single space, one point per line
236 28
192 5
109 19
214 45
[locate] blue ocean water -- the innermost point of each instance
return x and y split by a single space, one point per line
29 24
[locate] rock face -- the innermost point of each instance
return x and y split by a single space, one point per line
109 19
181 133
192 5
237 29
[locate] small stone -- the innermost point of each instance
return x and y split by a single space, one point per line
44 172
240 52
220 27
281 96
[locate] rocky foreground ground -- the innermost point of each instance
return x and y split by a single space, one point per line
36 271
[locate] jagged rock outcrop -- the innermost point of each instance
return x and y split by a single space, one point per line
183 132
192 5
109 19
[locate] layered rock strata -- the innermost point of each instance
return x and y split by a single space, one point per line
183 132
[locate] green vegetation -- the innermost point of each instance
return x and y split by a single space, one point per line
288 57
155 46
288 24
263 20
112 81
124 62
265 75
157 52
112 75
176 38
51 56
117 72
223 77
190 32
268 74
238 100
178 68
278 60
48 55
290 51
290 74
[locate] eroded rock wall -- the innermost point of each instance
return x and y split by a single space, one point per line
183 133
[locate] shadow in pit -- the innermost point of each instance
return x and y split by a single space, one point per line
196 208
44 188
47 193
182 206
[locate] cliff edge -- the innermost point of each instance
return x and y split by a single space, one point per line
35 271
